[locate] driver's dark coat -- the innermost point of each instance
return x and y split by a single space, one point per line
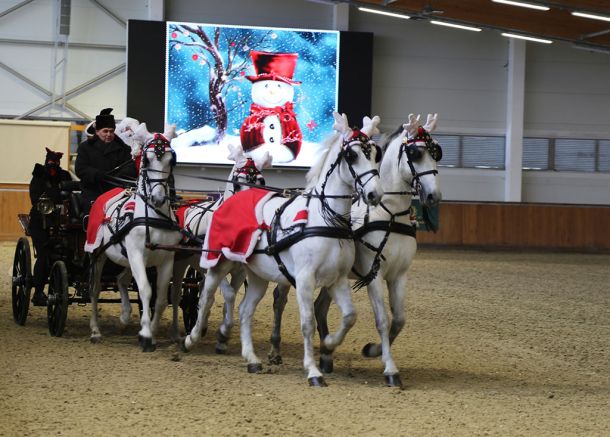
96 159
40 184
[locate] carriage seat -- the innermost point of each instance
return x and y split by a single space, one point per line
71 190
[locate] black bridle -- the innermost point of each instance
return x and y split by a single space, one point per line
338 225
160 146
412 152
347 154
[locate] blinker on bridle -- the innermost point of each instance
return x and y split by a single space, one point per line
367 145
413 151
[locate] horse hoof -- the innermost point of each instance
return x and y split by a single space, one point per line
326 365
183 347
95 339
148 345
317 381
221 338
276 360
393 381
368 352
255 368
221 349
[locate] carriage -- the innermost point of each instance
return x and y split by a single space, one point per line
69 277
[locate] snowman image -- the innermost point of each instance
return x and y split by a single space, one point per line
272 124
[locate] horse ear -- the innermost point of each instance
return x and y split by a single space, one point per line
412 125
170 131
431 122
264 162
141 134
236 154
341 124
369 125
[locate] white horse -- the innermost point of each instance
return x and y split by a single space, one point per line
128 237
196 220
318 251
385 239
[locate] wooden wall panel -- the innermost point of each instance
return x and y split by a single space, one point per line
14 199
522 225
508 225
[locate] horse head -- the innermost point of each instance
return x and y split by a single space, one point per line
247 170
158 159
418 157
360 157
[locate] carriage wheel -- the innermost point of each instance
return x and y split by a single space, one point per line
22 281
190 298
57 308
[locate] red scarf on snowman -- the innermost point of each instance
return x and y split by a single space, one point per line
251 132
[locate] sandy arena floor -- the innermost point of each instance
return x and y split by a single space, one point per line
495 344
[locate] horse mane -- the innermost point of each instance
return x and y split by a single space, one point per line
386 139
313 175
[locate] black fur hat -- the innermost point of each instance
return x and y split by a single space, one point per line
105 119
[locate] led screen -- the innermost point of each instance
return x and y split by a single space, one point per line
268 89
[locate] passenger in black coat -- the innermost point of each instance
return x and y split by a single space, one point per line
46 181
103 155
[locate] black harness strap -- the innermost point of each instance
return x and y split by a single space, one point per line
388 227
118 234
275 247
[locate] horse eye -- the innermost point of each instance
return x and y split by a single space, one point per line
413 153
350 155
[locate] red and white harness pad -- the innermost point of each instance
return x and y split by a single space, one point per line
98 216
235 227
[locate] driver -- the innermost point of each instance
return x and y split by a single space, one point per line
45 181
104 154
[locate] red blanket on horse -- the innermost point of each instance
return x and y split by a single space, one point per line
97 217
235 227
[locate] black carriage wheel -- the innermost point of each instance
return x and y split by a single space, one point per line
57 307
21 281
190 298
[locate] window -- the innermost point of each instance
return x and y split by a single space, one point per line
483 152
575 155
536 153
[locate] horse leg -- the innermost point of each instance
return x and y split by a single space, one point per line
280 298
229 292
321 307
94 293
256 290
341 293
178 270
123 281
305 284
206 299
164 276
138 268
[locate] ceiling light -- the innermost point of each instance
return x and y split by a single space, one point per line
522 4
528 38
389 14
591 16
457 26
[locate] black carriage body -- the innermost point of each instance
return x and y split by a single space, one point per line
69 264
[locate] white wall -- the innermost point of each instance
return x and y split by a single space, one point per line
418 67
